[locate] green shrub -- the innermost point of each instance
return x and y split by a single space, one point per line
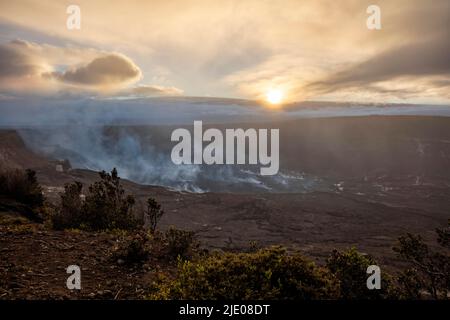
428 274
410 284
153 213
266 274
444 236
350 268
105 207
132 249
21 186
179 242
70 213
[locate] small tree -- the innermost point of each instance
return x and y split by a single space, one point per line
444 236
107 206
154 213
70 212
429 270
21 186
350 268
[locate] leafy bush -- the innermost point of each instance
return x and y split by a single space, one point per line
153 213
410 284
70 213
266 274
350 269
444 236
21 186
179 242
106 206
132 249
429 271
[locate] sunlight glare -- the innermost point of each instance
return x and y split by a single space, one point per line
274 96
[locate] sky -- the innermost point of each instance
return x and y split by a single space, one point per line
248 49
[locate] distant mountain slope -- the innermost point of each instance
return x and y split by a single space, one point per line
14 153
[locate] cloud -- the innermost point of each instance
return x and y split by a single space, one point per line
15 62
154 90
420 59
339 58
109 70
28 67
21 67
243 48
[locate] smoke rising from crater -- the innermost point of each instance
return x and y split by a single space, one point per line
133 135
141 154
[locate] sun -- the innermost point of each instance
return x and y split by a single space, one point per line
274 96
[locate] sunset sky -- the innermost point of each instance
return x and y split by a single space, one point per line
302 50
